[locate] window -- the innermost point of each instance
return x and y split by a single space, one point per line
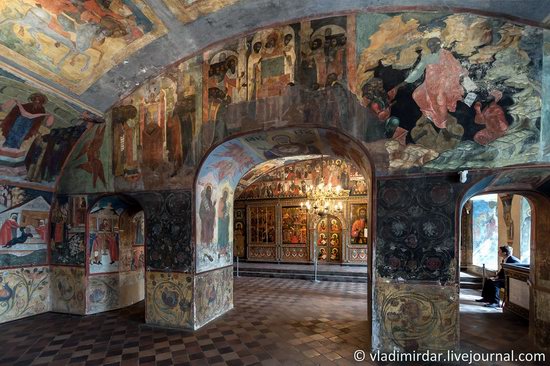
485 231
525 231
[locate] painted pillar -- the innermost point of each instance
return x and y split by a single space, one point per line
169 277
416 292
68 254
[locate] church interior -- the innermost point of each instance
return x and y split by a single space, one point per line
238 182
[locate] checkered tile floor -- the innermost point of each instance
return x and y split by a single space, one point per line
275 321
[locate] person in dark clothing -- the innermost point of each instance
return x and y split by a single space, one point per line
492 286
25 234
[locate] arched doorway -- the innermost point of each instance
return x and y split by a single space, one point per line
520 198
217 182
115 255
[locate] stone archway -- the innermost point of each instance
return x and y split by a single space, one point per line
215 184
533 184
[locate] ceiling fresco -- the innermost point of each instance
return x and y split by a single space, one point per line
189 10
73 43
97 51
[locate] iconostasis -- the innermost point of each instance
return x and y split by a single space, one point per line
270 225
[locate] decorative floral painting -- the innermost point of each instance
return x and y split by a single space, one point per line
24 292
102 293
169 299
68 291
213 295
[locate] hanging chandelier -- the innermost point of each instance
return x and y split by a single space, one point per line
323 199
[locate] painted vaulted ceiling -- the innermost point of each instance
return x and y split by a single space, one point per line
93 52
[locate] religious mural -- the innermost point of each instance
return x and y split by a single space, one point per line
115 255
104 236
68 230
68 290
114 229
155 129
213 295
359 224
293 179
225 165
215 189
422 92
189 10
24 215
169 299
451 90
24 292
37 132
88 168
525 230
73 43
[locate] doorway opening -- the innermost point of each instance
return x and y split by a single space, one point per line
305 210
496 251
250 195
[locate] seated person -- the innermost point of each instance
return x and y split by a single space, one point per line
492 286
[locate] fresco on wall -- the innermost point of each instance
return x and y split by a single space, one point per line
102 293
169 299
38 132
452 90
24 292
68 230
68 290
132 288
485 231
293 179
529 179
226 164
213 295
169 246
415 229
214 200
24 219
88 169
75 43
416 318
113 231
189 10
155 129
422 91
